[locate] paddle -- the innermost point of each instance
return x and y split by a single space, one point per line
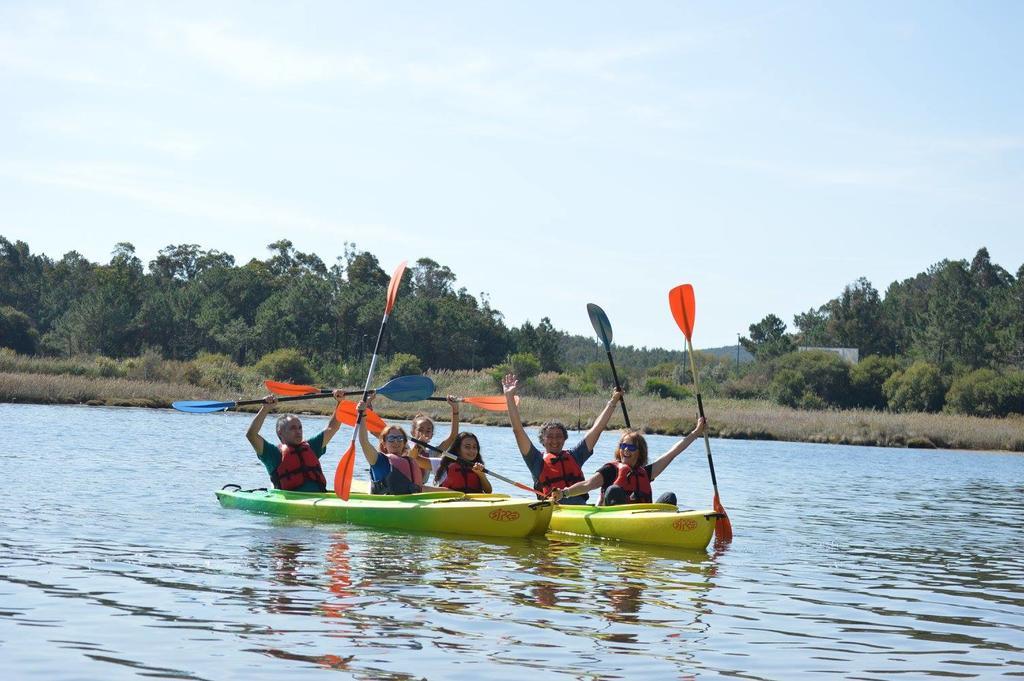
402 389
449 455
343 473
684 309
604 331
346 413
208 407
490 403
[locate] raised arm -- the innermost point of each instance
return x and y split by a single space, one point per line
662 462
253 434
582 487
510 384
448 441
332 427
595 431
364 440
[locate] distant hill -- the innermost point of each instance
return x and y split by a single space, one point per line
580 350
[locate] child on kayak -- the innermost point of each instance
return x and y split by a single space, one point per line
627 479
556 467
392 469
423 429
295 463
466 473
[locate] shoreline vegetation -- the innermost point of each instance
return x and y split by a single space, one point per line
728 418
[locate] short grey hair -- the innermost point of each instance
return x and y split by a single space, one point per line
281 422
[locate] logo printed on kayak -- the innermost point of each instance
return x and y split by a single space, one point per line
501 515
685 524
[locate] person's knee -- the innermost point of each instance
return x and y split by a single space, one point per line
668 498
615 495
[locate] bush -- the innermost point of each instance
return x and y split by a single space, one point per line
986 393
286 364
867 378
217 372
551 384
17 331
402 364
523 365
919 388
816 379
666 389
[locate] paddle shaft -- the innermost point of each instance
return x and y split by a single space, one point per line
311 396
449 455
615 377
700 410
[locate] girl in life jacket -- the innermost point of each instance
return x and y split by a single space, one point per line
465 474
392 469
422 428
627 479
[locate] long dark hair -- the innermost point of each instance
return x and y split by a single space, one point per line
442 470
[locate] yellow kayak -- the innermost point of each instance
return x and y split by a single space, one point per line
653 524
487 515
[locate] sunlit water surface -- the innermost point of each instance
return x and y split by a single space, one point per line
117 562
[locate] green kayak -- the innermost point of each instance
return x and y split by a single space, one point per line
652 524
488 515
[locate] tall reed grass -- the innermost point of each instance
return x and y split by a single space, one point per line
147 382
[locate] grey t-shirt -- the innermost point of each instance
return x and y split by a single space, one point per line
535 462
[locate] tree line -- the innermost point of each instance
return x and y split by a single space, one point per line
950 337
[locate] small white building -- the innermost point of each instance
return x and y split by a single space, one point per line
851 355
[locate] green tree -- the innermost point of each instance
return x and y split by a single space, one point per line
285 364
919 388
867 378
17 331
768 339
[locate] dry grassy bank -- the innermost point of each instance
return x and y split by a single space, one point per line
748 419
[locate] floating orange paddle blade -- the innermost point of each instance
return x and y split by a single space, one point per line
343 473
346 413
684 308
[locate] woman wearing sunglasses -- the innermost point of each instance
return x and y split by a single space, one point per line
392 469
627 479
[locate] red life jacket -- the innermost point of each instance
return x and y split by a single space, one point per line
560 470
635 481
461 478
406 467
298 464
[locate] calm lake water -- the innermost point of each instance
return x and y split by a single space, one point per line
117 562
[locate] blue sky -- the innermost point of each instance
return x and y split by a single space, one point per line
551 154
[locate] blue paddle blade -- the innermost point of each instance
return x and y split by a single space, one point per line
602 326
201 406
407 388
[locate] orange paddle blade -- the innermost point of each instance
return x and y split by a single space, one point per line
396 279
684 308
343 473
346 413
279 388
497 403
723 528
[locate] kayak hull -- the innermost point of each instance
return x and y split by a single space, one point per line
652 524
488 515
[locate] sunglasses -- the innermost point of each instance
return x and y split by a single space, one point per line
395 438
627 447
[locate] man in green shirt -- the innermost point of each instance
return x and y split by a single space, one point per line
294 464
